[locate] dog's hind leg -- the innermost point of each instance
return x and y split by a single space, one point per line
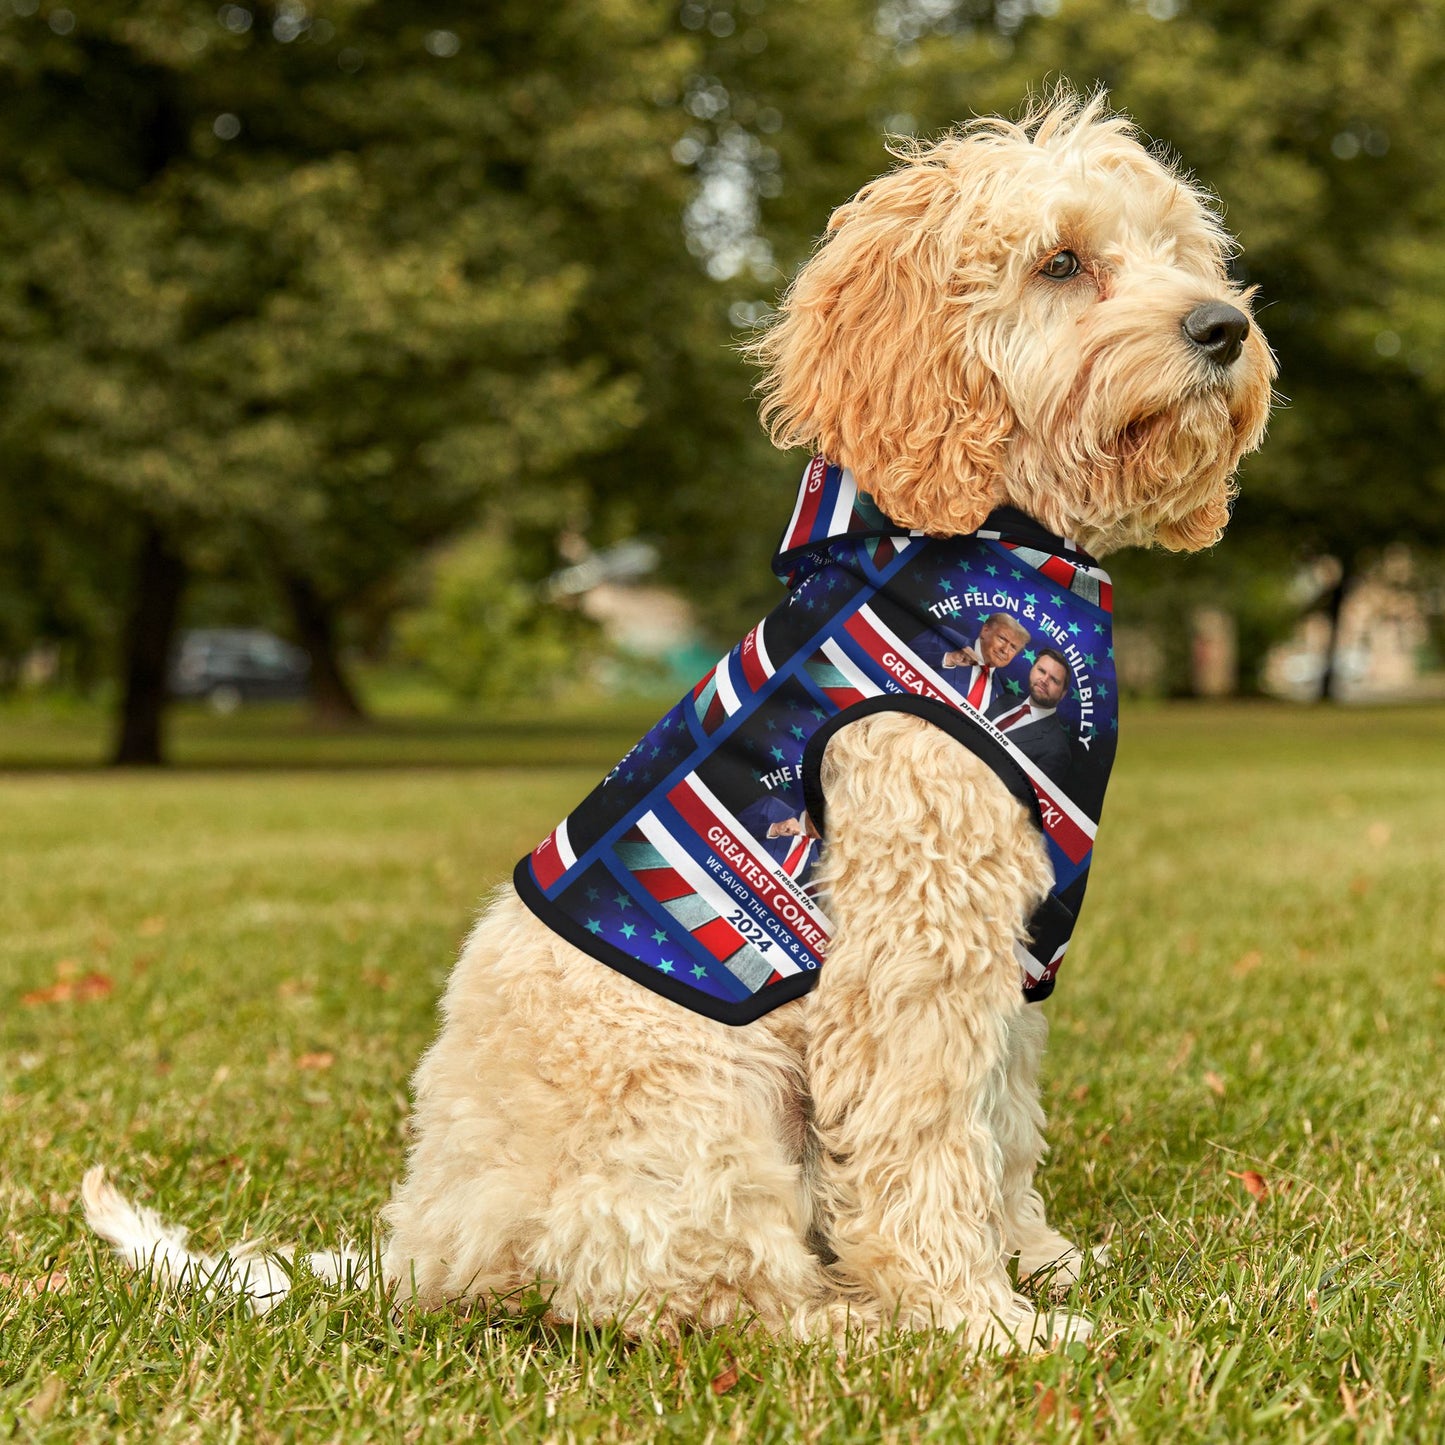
577 1134
680 1199
931 870
666 1227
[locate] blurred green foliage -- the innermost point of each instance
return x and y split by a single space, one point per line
486 635
305 298
308 289
323 286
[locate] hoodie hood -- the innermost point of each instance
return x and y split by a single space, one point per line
834 516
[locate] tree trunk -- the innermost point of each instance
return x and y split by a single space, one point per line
160 578
1329 674
333 700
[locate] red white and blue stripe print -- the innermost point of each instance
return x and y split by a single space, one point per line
553 856
725 839
1090 583
830 503
732 681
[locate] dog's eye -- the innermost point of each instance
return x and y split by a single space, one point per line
1060 266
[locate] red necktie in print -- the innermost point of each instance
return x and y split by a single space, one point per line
797 855
1004 723
979 688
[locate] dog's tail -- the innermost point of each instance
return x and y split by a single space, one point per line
147 1243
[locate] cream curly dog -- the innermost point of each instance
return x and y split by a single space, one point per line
1034 314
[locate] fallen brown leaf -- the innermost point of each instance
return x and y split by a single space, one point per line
1214 1083
151 927
377 978
1255 1184
1347 1399
1360 885
722 1383
1440 980
1046 1407
56 1282
1248 962
1080 1094
322 1059
56 993
1181 1054
66 990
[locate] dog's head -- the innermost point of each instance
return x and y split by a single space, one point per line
1035 313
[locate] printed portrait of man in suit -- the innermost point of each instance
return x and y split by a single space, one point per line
1033 725
786 833
998 642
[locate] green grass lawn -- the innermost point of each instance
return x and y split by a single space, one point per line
408 727
252 958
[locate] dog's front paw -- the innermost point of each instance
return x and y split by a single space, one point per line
1023 1326
1059 1270
1059 1328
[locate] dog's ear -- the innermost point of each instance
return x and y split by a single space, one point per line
874 360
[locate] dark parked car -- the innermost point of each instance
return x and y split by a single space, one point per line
231 665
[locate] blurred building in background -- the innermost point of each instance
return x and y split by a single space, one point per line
651 631
1383 647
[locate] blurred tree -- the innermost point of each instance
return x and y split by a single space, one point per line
59 572
486 635
327 283
283 281
781 113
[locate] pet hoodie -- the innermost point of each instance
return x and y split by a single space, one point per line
688 867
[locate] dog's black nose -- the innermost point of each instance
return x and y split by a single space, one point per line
1218 331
